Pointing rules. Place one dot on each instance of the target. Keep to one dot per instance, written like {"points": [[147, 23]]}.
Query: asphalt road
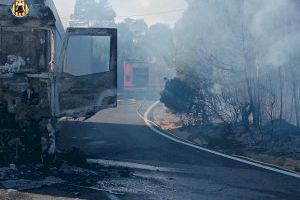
{"points": [[119, 134]]}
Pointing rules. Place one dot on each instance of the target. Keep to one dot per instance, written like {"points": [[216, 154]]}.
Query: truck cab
{"points": [[47, 73]]}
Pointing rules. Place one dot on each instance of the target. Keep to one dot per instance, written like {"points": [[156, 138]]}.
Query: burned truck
{"points": [[48, 73]]}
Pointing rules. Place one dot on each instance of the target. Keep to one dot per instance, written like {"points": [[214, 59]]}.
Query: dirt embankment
{"points": [[276, 143]]}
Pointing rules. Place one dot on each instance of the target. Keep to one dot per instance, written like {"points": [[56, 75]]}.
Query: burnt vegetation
{"points": [[237, 67]]}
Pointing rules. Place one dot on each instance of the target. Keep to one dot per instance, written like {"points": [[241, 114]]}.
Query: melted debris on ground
{"points": [[67, 172]]}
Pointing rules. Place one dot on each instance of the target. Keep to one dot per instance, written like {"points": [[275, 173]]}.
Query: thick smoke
{"points": [[269, 29], [247, 47], [275, 24]]}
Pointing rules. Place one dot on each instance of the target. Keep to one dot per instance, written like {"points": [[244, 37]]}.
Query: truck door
{"points": [[88, 79]]}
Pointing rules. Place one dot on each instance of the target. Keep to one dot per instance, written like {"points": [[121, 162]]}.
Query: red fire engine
{"points": [[140, 76]]}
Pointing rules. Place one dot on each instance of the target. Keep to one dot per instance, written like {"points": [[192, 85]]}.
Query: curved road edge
{"points": [[156, 128]]}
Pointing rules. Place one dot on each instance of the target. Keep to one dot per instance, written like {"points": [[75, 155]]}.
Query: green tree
{"points": [[93, 13], [189, 95]]}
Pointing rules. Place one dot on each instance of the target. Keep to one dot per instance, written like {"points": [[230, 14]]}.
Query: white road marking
{"points": [[258, 164], [130, 165], [127, 101], [112, 197]]}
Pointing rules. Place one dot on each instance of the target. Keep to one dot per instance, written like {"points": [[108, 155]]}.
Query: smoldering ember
{"points": [[170, 99]]}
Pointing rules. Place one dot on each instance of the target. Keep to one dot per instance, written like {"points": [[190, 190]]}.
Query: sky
{"points": [[153, 11]]}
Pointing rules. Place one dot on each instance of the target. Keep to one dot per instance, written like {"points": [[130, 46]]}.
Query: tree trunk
{"points": [[246, 111], [296, 103], [281, 94]]}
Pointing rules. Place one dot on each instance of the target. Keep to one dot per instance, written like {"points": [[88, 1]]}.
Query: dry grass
{"points": [[165, 119]]}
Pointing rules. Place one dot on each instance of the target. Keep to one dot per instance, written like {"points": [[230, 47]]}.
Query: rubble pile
{"points": [[26, 177], [89, 176]]}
